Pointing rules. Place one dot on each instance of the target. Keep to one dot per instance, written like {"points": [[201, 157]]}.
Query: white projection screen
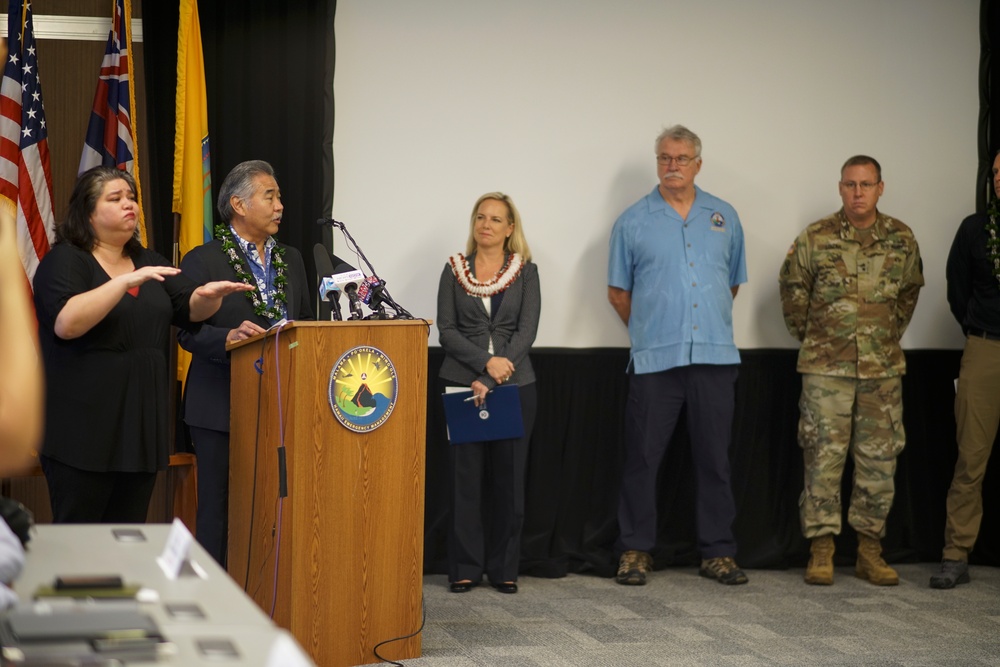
{"points": [[558, 102]]}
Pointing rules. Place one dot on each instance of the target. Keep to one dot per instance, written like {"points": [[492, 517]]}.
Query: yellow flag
{"points": [[192, 166]]}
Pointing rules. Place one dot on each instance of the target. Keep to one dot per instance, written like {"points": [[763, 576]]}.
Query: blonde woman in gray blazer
{"points": [[488, 308]]}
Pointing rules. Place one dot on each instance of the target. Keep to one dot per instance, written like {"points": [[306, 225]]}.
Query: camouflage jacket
{"points": [[849, 300]]}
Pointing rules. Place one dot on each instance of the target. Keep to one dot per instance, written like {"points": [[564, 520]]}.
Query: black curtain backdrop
{"points": [[269, 80], [159, 34], [576, 453], [989, 100]]}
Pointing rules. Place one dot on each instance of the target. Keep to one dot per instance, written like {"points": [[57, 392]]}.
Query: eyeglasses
{"points": [[864, 185], [682, 160]]}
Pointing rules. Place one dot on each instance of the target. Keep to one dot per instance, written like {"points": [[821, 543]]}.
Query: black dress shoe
{"points": [[461, 586], [508, 587]]}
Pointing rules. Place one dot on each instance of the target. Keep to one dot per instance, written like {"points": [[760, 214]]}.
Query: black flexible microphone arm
{"points": [[401, 313]]}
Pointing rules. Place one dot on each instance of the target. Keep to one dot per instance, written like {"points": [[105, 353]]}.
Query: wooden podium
{"points": [[339, 559]]}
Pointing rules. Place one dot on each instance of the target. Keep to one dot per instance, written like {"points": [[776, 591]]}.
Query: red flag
{"points": [[25, 176]]}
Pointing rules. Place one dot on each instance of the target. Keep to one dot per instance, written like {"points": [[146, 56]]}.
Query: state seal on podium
{"points": [[362, 390]]}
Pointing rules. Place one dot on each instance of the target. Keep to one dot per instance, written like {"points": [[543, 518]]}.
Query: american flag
{"points": [[25, 176], [110, 137]]}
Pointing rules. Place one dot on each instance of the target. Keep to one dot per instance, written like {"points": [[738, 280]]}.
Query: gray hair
{"points": [[679, 133], [239, 183]]}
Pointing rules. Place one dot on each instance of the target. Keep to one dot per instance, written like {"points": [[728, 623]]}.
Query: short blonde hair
{"points": [[516, 242]]}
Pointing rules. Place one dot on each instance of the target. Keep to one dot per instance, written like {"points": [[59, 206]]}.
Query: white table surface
{"points": [[229, 613]]}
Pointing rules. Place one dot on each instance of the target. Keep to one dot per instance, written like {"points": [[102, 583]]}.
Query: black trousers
{"points": [[84, 496], [212, 525], [487, 502], [655, 400]]}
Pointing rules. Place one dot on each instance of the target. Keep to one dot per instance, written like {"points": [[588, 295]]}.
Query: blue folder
{"points": [[498, 418]]}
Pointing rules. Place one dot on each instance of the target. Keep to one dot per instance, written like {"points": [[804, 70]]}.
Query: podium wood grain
{"points": [[340, 559]]}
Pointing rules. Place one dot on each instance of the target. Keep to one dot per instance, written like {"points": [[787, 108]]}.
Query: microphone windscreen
{"points": [[324, 265], [327, 286], [342, 267], [367, 289], [347, 279]]}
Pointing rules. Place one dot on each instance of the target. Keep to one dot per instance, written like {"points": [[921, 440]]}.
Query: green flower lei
{"points": [[259, 305], [993, 243]]}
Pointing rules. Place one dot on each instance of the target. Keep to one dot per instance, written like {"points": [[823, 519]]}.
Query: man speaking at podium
{"points": [[243, 250]]}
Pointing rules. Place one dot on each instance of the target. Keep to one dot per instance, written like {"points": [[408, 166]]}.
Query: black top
{"points": [[973, 290], [107, 391]]}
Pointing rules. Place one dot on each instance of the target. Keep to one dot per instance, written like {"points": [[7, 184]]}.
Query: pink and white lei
{"points": [[507, 275]]}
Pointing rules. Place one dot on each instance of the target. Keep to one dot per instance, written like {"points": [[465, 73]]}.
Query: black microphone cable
{"points": [[401, 313], [423, 621]]}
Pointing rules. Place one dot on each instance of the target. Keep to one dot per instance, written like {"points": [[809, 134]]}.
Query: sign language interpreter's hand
{"points": [[141, 275]]}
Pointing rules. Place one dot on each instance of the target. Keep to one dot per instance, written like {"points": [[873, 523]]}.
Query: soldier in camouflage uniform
{"points": [[848, 289]]}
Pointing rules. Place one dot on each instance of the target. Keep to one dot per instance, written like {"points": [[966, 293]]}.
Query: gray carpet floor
{"points": [[681, 619]]}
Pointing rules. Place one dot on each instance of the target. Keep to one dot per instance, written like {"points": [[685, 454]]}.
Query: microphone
{"points": [[371, 293], [327, 288], [348, 279], [378, 293], [328, 291], [368, 289]]}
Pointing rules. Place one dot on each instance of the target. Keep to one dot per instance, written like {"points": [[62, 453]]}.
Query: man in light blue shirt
{"points": [[676, 263]]}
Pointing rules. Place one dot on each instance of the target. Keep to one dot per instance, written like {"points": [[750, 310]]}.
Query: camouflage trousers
{"points": [[840, 415]]}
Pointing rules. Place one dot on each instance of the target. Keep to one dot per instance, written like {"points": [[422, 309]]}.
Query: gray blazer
{"points": [[466, 329]]}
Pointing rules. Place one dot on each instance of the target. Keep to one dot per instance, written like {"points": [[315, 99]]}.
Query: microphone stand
{"points": [[401, 313], [335, 313], [376, 303]]}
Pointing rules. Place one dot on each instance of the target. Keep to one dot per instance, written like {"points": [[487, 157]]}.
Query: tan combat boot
{"points": [[870, 564], [820, 569]]}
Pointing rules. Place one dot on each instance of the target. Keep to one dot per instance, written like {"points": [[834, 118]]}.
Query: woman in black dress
{"points": [[105, 305], [488, 309]]}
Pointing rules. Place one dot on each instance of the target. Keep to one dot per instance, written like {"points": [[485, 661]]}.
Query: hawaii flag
{"points": [[25, 177], [111, 137]]}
